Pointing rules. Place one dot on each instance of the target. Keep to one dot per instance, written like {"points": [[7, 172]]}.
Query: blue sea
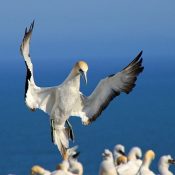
{"points": [[144, 118]]}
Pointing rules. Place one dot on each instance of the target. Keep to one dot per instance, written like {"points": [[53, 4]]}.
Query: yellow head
{"points": [[37, 170], [149, 155], [121, 160], [81, 68]]}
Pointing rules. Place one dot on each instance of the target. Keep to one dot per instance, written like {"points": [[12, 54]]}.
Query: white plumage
{"points": [[107, 166], [133, 164], [63, 169], [61, 102], [119, 150], [74, 165], [38, 170], [164, 163], [145, 167]]}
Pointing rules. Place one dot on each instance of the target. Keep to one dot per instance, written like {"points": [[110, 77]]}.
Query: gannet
{"points": [[71, 156], [164, 163], [74, 165], [65, 100], [144, 169], [122, 160], [135, 155], [107, 166], [133, 164], [62, 169], [119, 150], [35, 170]]}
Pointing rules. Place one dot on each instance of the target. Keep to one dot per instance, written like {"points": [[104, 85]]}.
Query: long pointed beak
{"points": [[171, 161], [84, 75], [122, 153]]}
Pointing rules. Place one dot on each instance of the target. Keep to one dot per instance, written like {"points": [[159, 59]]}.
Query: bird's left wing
{"points": [[111, 87], [35, 97]]}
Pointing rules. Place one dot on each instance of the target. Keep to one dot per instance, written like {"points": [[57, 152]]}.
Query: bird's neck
{"points": [[164, 169], [73, 79], [147, 163]]}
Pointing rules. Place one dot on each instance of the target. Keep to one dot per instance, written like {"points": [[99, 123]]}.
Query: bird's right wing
{"points": [[35, 97], [110, 87]]}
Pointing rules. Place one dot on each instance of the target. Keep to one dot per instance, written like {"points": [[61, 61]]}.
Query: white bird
{"points": [[133, 164], [61, 102], [71, 157], [135, 155], [119, 150], [74, 165], [107, 166], [164, 163], [62, 169], [35, 170], [121, 161], [144, 169]]}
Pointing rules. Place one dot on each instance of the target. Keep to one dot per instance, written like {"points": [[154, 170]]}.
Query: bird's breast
{"points": [[68, 98]]}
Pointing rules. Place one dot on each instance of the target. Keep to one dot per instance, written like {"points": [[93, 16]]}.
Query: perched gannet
{"points": [[164, 163], [133, 164], [75, 166], [121, 161], [107, 166], [144, 169], [62, 169], [66, 100], [71, 156], [119, 150], [135, 155], [38, 170]]}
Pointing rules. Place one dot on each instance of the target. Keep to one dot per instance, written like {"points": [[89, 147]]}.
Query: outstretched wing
{"points": [[111, 87], [35, 97]]}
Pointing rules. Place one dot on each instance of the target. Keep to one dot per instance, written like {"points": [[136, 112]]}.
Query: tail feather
{"points": [[70, 131], [60, 136]]}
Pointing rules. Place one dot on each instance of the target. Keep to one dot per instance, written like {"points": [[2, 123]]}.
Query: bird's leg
{"points": [[71, 133], [52, 130]]}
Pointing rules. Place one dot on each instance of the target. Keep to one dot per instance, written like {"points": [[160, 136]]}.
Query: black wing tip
{"points": [[30, 28], [32, 25], [27, 33], [138, 57], [140, 54]]}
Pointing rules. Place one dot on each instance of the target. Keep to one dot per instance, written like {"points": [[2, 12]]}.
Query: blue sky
{"points": [[90, 29]]}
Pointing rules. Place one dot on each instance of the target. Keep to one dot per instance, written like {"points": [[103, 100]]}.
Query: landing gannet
{"points": [[107, 166], [164, 163], [133, 164], [66, 100], [144, 169]]}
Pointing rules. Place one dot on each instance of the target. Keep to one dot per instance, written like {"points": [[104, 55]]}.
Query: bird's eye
{"points": [[80, 70]]}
